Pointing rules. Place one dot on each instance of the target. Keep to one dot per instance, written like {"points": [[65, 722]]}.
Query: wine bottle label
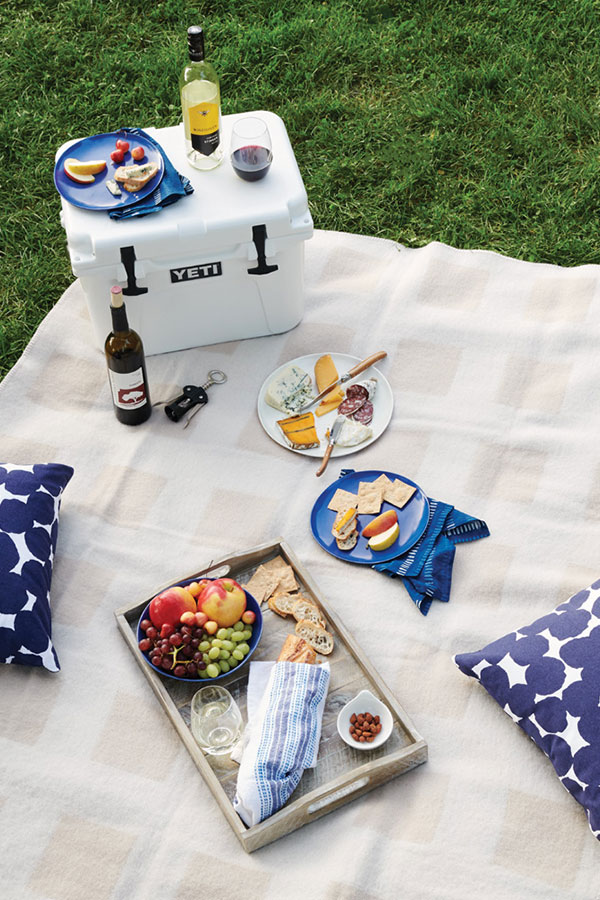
{"points": [[204, 127], [128, 389]]}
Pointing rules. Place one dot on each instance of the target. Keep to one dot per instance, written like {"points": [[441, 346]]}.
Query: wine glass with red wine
{"points": [[251, 154]]}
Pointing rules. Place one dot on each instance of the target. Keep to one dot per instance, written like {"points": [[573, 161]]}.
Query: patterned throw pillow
{"points": [[29, 504], [546, 676]]}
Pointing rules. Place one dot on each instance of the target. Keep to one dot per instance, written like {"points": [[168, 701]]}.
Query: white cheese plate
{"points": [[383, 404]]}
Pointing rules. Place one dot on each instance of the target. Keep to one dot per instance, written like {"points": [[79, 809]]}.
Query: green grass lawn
{"points": [[472, 123]]}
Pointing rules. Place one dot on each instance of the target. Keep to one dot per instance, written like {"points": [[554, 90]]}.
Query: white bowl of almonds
{"points": [[365, 723]]}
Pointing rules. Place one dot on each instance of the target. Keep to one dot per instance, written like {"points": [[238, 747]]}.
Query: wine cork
{"points": [[116, 296]]}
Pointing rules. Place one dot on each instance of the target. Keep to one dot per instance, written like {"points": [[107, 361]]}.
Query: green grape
{"points": [[202, 673], [229, 631], [216, 643], [244, 648], [237, 654], [247, 632], [204, 646], [224, 665], [214, 652], [228, 645], [239, 626], [222, 634], [212, 670], [206, 658], [237, 636], [224, 654]]}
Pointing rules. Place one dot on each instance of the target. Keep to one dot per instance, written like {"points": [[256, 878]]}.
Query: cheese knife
{"points": [[354, 371], [333, 436]]}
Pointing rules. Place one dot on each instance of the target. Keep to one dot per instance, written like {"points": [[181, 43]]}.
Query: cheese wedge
{"points": [[300, 432], [326, 373], [332, 401]]}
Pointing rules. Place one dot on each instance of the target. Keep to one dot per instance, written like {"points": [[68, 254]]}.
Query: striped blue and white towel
{"points": [[285, 710]]}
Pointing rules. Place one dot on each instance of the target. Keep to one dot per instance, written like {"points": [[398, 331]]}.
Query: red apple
{"points": [[168, 606], [223, 601], [380, 523]]}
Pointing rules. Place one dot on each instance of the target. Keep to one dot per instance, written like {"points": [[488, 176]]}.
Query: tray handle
{"points": [[320, 805]]}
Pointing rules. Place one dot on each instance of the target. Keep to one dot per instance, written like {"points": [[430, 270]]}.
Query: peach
{"points": [[223, 601], [167, 607], [380, 523]]}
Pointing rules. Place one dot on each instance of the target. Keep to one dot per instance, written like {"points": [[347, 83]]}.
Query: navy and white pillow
{"points": [[546, 677], [29, 505]]}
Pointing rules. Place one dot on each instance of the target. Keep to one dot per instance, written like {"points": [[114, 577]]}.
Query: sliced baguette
{"points": [[306, 609], [283, 602], [295, 649], [318, 638], [135, 177]]}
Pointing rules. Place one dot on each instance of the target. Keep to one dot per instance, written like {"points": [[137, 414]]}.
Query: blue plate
{"points": [[96, 195], [412, 519], [252, 643]]}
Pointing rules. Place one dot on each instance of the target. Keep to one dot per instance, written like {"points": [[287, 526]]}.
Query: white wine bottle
{"points": [[201, 105], [126, 364]]}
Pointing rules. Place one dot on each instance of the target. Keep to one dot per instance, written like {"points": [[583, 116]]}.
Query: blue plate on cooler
{"points": [[252, 643], [96, 195], [412, 518]]}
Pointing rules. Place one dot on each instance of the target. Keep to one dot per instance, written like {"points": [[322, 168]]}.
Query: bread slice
{"points": [[283, 603], [345, 523], [349, 542], [135, 177], [306, 609], [318, 638], [295, 649]]}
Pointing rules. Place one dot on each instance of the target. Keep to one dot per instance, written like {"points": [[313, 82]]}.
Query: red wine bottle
{"points": [[126, 364]]}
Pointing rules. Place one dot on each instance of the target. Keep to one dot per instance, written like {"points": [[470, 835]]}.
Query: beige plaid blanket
{"points": [[495, 368]]}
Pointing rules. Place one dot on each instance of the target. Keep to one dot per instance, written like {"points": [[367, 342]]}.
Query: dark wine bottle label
{"points": [[204, 127], [128, 389]]}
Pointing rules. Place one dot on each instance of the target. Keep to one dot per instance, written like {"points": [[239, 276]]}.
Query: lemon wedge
{"points": [[89, 167], [385, 539]]}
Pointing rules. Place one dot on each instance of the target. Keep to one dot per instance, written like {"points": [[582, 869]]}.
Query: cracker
{"points": [[399, 493], [370, 496], [262, 584], [287, 579], [383, 479], [341, 500]]}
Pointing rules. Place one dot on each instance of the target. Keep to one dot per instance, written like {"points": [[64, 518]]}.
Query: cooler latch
{"points": [[128, 260], [259, 236]]}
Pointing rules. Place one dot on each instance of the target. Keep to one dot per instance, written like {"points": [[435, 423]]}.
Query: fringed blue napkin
{"points": [[285, 711], [172, 187], [426, 569]]}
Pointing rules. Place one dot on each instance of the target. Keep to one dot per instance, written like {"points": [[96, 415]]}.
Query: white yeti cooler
{"points": [[221, 264]]}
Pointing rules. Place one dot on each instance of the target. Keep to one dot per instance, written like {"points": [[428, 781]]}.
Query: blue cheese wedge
{"points": [[290, 390], [353, 433], [113, 187]]}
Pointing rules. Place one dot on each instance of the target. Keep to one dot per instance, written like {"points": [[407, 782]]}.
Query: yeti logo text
{"points": [[188, 273]]}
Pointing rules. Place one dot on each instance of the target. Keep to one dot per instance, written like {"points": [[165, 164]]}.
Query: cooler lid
{"points": [[219, 215]]}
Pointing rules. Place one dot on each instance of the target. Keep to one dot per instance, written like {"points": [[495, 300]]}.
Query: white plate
{"points": [[383, 404], [365, 702]]}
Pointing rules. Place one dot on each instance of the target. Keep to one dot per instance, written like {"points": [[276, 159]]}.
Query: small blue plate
{"points": [[96, 195], [252, 643], [413, 519]]}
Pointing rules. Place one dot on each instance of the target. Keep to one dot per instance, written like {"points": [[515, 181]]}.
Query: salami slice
{"points": [[364, 413], [354, 391], [350, 405]]}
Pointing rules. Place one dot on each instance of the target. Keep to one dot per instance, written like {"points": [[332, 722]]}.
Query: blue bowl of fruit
{"points": [[200, 631]]}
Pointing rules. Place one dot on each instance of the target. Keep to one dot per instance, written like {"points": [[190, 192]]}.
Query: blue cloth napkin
{"points": [[426, 569], [285, 711], [172, 187]]}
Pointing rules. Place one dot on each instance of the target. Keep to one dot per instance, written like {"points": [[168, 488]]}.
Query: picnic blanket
{"points": [[495, 369]]}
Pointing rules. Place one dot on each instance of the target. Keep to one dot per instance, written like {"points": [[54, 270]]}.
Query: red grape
{"points": [[145, 645], [151, 633], [145, 624]]}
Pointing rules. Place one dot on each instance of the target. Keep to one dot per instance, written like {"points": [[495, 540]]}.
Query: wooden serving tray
{"points": [[341, 773]]}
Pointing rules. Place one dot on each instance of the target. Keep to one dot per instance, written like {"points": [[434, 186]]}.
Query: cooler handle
{"points": [[259, 236], [128, 259]]}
